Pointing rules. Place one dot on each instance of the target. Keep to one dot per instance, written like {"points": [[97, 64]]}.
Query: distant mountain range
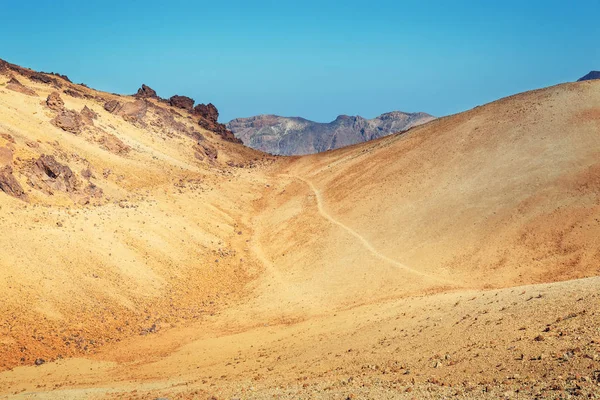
{"points": [[590, 76], [296, 136]]}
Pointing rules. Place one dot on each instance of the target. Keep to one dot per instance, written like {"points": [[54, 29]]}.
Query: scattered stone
{"points": [[39, 361], [152, 329], [8, 137], [94, 191]]}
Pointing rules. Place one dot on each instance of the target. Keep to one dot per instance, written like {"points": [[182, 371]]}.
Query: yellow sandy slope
{"points": [[456, 259]]}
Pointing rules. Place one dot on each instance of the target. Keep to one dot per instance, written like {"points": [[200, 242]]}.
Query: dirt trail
{"points": [[361, 239]]}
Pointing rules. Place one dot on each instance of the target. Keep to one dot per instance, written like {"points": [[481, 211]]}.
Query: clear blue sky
{"points": [[315, 59]]}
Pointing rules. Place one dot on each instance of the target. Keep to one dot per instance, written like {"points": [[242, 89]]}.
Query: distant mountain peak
{"points": [[591, 75], [295, 135]]}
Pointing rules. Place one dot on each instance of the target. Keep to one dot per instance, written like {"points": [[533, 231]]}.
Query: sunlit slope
{"points": [[122, 224], [504, 194]]}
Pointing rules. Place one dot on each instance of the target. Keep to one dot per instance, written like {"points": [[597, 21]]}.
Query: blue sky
{"points": [[315, 59]]}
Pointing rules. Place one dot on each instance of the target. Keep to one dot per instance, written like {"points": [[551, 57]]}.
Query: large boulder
{"points": [[207, 111], [112, 106], [68, 120], [49, 174], [134, 110], [146, 92], [183, 102]]}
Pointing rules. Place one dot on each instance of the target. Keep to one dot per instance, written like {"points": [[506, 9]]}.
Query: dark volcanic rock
{"points": [[16, 86], [219, 129], [73, 93], [65, 77], [43, 78], [295, 136], [54, 102], [591, 76], [146, 92], [184, 102], [9, 184], [33, 75], [207, 111]]}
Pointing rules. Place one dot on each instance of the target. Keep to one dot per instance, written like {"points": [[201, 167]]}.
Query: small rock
{"points": [[54, 102]]}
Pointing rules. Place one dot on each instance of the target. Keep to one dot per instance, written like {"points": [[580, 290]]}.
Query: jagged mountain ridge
{"points": [[297, 136]]}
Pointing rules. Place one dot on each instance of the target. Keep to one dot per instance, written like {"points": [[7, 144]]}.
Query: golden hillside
{"points": [[145, 256]]}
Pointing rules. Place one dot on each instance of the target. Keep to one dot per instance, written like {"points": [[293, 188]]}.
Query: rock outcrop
{"points": [[88, 115], [112, 106], [146, 92], [590, 76], [295, 136], [31, 74], [207, 111], [16, 86], [54, 102], [9, 184], [68, 120], [50, 175], [182, 102], [134, 110], [113, 144]]}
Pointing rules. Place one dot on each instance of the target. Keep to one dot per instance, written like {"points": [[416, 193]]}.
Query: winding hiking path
{"points": [[358, 236]]}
